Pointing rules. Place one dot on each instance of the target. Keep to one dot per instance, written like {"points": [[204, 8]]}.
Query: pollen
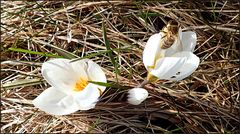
{"points": [[80, 84]]}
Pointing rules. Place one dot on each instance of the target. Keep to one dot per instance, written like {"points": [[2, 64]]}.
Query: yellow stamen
{"points": [[80, 84], [151, 78]]}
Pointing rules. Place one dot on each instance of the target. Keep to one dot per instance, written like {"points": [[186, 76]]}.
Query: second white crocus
{"points": [[70, 88], [174, 63]]}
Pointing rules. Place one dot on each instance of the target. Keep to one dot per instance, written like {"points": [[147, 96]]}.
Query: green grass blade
{"points": [[110, 84], [110, 53], [102, 84], [23, 83], [100, 53], [94, 124], [90, 55], [62, 52], [34, 52]]}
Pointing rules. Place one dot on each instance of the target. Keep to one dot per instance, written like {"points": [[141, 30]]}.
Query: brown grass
{"points": [[205, 102]]}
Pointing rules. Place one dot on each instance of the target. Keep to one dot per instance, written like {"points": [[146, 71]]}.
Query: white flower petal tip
{"points": [[189, 66], [189, 40], [176, 68], [151, 49], [54, 102], [71, 90], [137, 95]]}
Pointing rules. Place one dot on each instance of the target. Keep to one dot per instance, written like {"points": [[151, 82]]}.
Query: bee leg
{"points": [[163, 31], [164, 36]]}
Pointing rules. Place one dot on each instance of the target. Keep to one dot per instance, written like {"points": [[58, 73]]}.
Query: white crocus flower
{"points": [[137, 95], [174, 63], [70, 88]]}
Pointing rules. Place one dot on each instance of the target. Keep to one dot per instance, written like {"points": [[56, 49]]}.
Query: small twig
{"points": [[143, 83]]}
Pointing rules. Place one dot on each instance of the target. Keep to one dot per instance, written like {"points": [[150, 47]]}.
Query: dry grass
{"points": [[205, 102]]}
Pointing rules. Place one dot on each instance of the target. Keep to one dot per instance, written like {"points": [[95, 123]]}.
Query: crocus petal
{"points": [[54, 102], [180, 33], [188, 67], [176, 47], [168, 66], [189, 40], [95, 73], [87, 98], [151, 49], [137, 95], [80, 68], [59, 74]]}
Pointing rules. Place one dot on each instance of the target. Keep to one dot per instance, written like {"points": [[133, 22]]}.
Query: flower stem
{"points": [[143, 83]]}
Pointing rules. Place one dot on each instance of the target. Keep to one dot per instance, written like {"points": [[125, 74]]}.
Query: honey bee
{"points": [[171, 34]]}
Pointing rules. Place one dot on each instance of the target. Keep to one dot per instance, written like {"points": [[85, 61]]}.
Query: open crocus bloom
{"points": [[174, 63], [137, 95], [71, 90]]}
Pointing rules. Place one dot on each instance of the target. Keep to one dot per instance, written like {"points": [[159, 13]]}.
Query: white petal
{"points": [[80, 68], [176, 47], [189, 40], [54, 102], [87, 98], [137, 95], [95, 73], [188, 67], [168, 66], [151, 49], [59, 74], [180, 33]]}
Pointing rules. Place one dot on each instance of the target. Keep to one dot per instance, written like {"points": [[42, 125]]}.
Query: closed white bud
{"points": [[137, 95]]}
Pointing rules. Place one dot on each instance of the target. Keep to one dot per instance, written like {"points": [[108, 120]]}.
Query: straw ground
{"points": [[205, 102]]}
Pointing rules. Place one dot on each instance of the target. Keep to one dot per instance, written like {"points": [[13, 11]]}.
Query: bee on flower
{"points": [[168, 55]]}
